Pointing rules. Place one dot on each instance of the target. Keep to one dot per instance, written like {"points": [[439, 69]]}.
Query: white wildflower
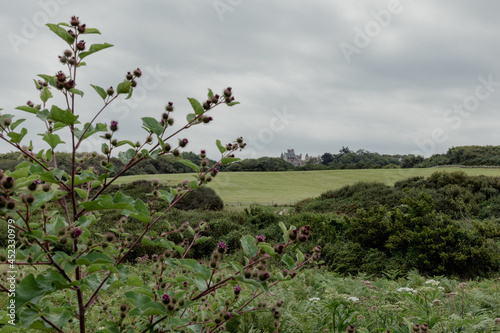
{"points": [[352, 299], [432, 282], [406, 290], [313, 299]]}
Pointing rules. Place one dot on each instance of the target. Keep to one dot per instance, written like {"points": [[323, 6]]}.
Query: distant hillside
{"points": [[466, 155], [345, 159]]}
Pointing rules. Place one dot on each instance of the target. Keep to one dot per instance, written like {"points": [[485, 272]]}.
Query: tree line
{"points": [[344, 159]]}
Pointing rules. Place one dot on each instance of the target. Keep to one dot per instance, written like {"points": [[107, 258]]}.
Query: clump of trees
{"points": [[345, 159], [444, 224]]}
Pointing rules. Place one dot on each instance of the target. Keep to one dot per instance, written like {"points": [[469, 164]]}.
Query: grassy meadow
{"points": [[285, 188]]}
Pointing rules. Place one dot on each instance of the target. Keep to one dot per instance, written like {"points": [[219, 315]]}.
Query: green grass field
{"points": [[285, 188]]}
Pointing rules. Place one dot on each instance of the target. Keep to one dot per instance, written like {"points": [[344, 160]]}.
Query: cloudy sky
{"points": [[392, 77]]}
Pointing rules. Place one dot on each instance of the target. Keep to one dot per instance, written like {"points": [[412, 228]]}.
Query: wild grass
{"points": [[288, 187]]}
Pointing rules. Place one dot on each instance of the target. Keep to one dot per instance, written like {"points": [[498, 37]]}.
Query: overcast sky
{"points": [[392, 77]]}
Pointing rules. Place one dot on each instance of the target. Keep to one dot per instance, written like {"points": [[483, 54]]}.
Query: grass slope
{"points": [[288, 187]]}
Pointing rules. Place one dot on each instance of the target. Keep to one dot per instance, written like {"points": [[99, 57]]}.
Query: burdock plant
{"points": [[80, 274]]}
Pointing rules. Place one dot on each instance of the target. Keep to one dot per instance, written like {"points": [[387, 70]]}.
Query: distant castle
{"points": [[295, 159]]}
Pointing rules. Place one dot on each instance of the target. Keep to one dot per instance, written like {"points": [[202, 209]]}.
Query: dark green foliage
{"points": [[162, 164], [203, 198], [431, 224], [261, 216], [466, 155], [411, 161], [348, 199], [260, 164], [455, 194]]}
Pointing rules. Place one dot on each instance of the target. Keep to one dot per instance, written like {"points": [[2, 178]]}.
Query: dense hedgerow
{"points": [[444, 224], [414, 234]]}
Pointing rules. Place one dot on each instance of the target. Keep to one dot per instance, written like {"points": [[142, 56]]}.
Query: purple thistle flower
{"points": [[260, 238], [114, 125], [165, 299], [221, 247], [237, 290], [77, 232]]}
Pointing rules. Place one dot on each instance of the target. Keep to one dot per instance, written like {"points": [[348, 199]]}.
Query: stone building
{"points": [[295, 159]]}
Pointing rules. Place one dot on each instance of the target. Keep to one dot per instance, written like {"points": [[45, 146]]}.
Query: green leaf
{"points": [[222, 149], [134, 280], [100, 91], [17, 137], [46, 94], [125, 142], [198, 109], [58, 125], [127, 156], [300, 256], [210, 93], [107, 202], [61, 32], [38, 87], [49, 177], [202, 239], [50, 79], [190, 117], [248, 245], [190, 164], [237, 266], [94, 48], [283, 227], [81, 63], [267, 248], [288, 261], [52, 139], [82, 193], [131, 91], [9, 329], [94, 258], [152, 125], [31, 289], [92, 31], [232, 103], [144, 304], [255, 284], [123, 87], [63, 116], [28, 108], [16, 123], [166, 195], [75, 91], [227, 160], [194, 266], [59, 316], [43, 114], [284, 230], [154, 154], [100, 127]]}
